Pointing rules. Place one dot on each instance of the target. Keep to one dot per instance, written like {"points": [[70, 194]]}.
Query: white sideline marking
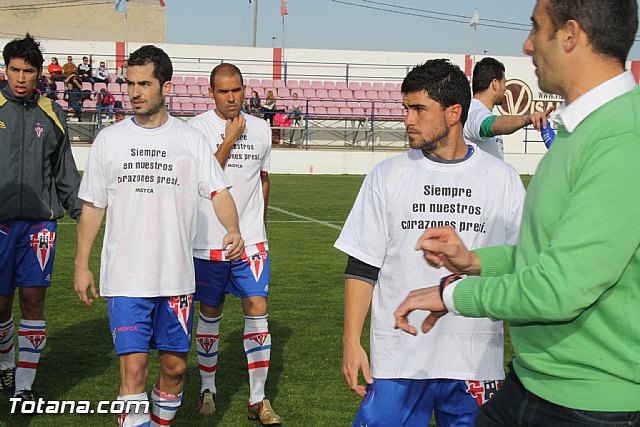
{"points": [[306, 218]]}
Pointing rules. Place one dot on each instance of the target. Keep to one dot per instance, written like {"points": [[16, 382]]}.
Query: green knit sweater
{"points": [[570, 288]]}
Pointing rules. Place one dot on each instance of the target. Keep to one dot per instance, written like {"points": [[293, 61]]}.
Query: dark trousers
{"points": [[515, 406]]}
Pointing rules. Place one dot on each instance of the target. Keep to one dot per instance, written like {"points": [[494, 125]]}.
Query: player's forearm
{"points": [[222, 153], [88, 228], [357, 299], [508, 124], [226, 211], [266, 187]]}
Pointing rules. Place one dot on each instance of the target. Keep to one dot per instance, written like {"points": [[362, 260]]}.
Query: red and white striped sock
{"points": [[135, 416], [32, 339], [257, 347], [7, 349], [207, 335], [165, 406]]}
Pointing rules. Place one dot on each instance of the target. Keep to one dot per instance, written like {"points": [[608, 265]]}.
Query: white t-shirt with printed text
{"points": [[151, 182], [478, 112], [481, 197], [250, 156]]}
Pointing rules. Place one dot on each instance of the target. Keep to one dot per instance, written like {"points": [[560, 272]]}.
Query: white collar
{"points": [[573, 114]]}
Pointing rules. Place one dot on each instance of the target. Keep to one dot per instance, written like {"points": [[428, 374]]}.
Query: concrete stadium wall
{"points": [[291, 161]]}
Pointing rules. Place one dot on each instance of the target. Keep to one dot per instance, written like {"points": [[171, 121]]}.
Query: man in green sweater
{"points": [[570, 287]]}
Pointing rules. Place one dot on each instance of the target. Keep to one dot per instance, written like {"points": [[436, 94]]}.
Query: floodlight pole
{"points": [[255, 21]]}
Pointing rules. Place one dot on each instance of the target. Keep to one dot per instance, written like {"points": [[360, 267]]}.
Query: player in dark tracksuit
{"points": [[38, 181]]}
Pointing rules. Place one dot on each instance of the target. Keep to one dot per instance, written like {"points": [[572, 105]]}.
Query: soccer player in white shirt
{"points": [[150, 174], [441, 181], [484, 128], [242, 145]]}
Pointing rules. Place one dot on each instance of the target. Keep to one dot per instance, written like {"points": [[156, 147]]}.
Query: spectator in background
{"points": [[102, 74], [84, 71], [255, 106], [69, 68], [3, 81], [121, 73], [105, 101], [295, 113], [74, 97], [268, 110], [55, 70], [47, 87]]}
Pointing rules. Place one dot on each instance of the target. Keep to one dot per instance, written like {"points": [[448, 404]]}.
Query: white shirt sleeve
{"points": [[364, 235], [93, 187], [212, 177]]}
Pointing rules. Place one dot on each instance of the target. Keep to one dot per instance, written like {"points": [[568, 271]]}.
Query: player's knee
{"points": [[173, 370], [211, 311], [32, 303], [255, 306], [6, 303], [133, 375]]}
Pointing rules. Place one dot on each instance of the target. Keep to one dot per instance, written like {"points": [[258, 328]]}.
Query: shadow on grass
{"points": [[72, 357], [232, 378]]}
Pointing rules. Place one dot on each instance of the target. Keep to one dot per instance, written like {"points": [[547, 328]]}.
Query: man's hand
{"points": [[354, 360], [234, 244], [442, 247], [234, 128], [83, 280], [420, 299], [540, 117]]}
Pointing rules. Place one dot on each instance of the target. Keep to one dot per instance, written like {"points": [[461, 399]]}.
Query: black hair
{"points": [[611, 25], [443, 81], [226, 68], [27, 49], [149, 54], [486, 71]]}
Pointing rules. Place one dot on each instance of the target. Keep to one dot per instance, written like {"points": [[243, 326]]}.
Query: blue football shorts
{"points": [[159, 323], [247, 277], [27, 250], [406, 402]]}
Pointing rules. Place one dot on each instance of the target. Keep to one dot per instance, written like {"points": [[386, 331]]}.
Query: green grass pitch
{"points": [[305, 319]]}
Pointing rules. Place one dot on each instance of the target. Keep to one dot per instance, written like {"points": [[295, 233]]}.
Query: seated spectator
{"points": [[47, 87], [74, 97], [69, 68], [269, 107], [254, 104], [3, 81], [105, 101], [84, 71], [55, 70], [295, 113], [121, 73], [102, 74]]}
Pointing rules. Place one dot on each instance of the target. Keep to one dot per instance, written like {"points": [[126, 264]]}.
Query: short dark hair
{"points": [[226, 68], [611, 25], [149, 54], [486, 71], [443, 81], [27, 49]]}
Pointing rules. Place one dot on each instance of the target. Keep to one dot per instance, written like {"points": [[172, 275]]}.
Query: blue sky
{"points": [[334, 24]]}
